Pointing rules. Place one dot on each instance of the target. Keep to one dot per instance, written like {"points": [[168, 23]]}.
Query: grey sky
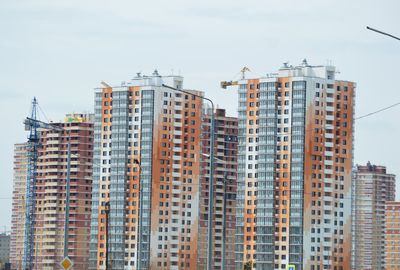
{"points": [[60, 50]]}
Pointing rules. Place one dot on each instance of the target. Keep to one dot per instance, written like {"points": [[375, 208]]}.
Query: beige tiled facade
{"points": [[391, 259], [372, 189], [18, 206]]}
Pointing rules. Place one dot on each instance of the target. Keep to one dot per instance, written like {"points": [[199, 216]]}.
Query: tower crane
{"points": [[225, 84], [32, 124]]}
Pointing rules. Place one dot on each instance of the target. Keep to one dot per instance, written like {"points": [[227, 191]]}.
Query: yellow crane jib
{"points": [[225, 84]]}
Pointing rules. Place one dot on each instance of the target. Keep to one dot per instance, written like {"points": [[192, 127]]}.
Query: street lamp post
{"points": [[67, 194], [224, 221], [211, 178], [107, 212], [67, 198], [225, 182], [383, 33], [140, 206]]}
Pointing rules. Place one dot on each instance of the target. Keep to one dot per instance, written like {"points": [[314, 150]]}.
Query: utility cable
{"points": [[378, 111]]}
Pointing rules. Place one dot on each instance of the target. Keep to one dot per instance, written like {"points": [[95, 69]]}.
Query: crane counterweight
{"points": [[225, 84]]}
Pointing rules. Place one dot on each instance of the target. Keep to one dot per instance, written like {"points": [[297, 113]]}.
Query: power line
{"points": [[355, 118], [378, 111]]}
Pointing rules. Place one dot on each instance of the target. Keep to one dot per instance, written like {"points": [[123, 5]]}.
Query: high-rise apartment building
{"points": [[147, 138], [391, 245], [18, 206], [153, 140], [50, 195], [294, 170], [225, 173], [372, 189]]}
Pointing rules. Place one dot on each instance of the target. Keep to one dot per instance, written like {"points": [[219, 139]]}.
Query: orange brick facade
{"points": [[149, 140], [294, 170]]}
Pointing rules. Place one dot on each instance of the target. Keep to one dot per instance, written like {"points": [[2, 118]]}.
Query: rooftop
{"points": [[371, 168]]}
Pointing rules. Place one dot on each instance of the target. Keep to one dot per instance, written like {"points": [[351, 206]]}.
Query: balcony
{"points": [[328, 144]]}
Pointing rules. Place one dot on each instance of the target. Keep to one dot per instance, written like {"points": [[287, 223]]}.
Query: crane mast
{"points": [[32, 124], [32, 152]]}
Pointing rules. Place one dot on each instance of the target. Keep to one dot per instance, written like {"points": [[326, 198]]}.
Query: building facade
{"points": [[4, 250], [391, 260], [372, 189], [51, 184], [294, 170], [50, 195], [147, 138], [225, 174], [18, 206]]}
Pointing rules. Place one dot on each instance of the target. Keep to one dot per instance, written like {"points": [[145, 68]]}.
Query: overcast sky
{"points": [[59, 51]]}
